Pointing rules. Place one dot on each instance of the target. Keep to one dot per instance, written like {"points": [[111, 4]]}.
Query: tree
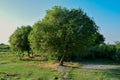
{"points": [[117, 44], [35, 37], [63, 31], [19, 39], [99, 39], [4, 47]]}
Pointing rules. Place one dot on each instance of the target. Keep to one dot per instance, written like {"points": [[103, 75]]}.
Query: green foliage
{"points": [[99, 39], [19, 39], [102, 51], [35, 38], [4, 47], [116, 56], [106, 51], [117, 44], [63, 31]]}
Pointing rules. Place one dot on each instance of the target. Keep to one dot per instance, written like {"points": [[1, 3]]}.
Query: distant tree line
{"points": [[63, 34], [4, 47]]}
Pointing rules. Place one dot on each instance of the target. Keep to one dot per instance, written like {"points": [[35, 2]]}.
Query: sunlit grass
{"points": [[11, 68], [88, 74]]}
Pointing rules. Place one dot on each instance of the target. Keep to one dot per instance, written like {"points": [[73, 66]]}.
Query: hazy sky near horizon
{"points": [[15, 13]]}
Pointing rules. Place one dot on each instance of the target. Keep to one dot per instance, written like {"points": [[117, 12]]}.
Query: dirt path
{"points": [[100, 66], [63, 71]]}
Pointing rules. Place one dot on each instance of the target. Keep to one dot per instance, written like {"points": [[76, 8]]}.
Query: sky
{"points": [[15, 13]]}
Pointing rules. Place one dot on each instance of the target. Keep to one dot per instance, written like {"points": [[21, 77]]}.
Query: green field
{"points": [[85, 74], [11, 68]]}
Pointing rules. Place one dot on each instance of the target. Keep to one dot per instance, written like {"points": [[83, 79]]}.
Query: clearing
{"points": [[11, 68]]}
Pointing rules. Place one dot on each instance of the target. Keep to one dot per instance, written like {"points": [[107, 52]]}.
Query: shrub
{"points": [[101, 51], [116, 56]]}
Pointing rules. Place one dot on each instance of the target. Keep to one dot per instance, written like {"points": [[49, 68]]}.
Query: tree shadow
{"points": [[5, 75], [98, 62], [113, 73], [37, 60]]}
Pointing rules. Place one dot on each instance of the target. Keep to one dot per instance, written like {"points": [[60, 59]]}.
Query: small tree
{"points": [[19, 39]]}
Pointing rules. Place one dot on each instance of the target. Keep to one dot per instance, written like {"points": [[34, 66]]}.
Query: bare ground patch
{"points": [[100, 66]]}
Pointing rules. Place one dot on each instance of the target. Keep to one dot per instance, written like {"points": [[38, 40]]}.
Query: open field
{"points": [[96, 74], [11, 68], [96, 70]]}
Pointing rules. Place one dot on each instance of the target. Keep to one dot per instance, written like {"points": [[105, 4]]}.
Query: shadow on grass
{"points": [[113, 73], [28, 59], [98, 62], [69, 66], [5, 76], [37, 59]]}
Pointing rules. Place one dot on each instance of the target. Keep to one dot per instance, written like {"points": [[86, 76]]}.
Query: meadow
{"points": [[12, 68]]}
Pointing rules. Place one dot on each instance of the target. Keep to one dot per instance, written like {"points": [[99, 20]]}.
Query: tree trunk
{"points": [[28, 53], [61, 61]]}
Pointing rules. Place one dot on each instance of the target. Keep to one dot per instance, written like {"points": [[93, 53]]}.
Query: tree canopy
{"points": [[63, 31], [99, 39], [63, 34], [19, 39]]}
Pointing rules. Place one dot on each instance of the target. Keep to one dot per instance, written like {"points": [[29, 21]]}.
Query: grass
{"points": [[11, 68], [95, 74], [86, 74]]}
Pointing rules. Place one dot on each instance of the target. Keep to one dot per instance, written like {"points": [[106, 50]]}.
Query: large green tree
{"points": [[64, 32], [19, 39]]}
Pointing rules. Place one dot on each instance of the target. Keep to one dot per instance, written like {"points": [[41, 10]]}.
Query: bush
{"points": [[104, 51], [4, 48], [101, 51], [116, 56]]}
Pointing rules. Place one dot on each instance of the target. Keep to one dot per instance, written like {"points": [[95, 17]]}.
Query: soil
{"points": [[100, 66]]}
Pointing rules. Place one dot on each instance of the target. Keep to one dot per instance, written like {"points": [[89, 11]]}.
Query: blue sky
{"points": [[14, 13]]}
